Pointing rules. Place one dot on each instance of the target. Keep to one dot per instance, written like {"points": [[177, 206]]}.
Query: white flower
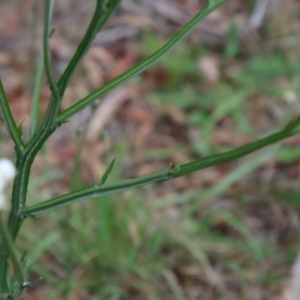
{"points": [[7, 169], [7, 173]]}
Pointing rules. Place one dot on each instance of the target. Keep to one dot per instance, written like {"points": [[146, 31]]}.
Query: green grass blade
{"points": [[174, 284], [39, 248], [238, 225], [65, 115], [233, 177]]}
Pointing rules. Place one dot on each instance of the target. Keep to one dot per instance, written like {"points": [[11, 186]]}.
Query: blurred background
{"points": [[227, 232]]}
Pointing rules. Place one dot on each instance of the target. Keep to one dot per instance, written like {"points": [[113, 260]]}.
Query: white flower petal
{"points": [[7, 170]]}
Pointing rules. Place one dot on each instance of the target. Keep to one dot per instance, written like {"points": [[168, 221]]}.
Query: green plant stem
{"points": [[9, 121], [101, 15], [26, 156], [24, 159], [56, 98], [7, 241], [96, 191], [35, 111], [65, 115], [15, 220], [46, 47], [3, 269], [23, 165]]}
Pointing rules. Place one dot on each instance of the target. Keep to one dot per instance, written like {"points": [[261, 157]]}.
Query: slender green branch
{"points": [[46, 46], [293, 125], [9, 121], [55, 100], [233, 154], [93, 192], [96, 191], [101, 15], [65, 115], [35, 111]]}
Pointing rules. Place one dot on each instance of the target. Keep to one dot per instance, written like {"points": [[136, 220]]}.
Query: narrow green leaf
{"points": [[107, 172], [8, 119], [212, 5], [20, 128], [232, 47]]}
